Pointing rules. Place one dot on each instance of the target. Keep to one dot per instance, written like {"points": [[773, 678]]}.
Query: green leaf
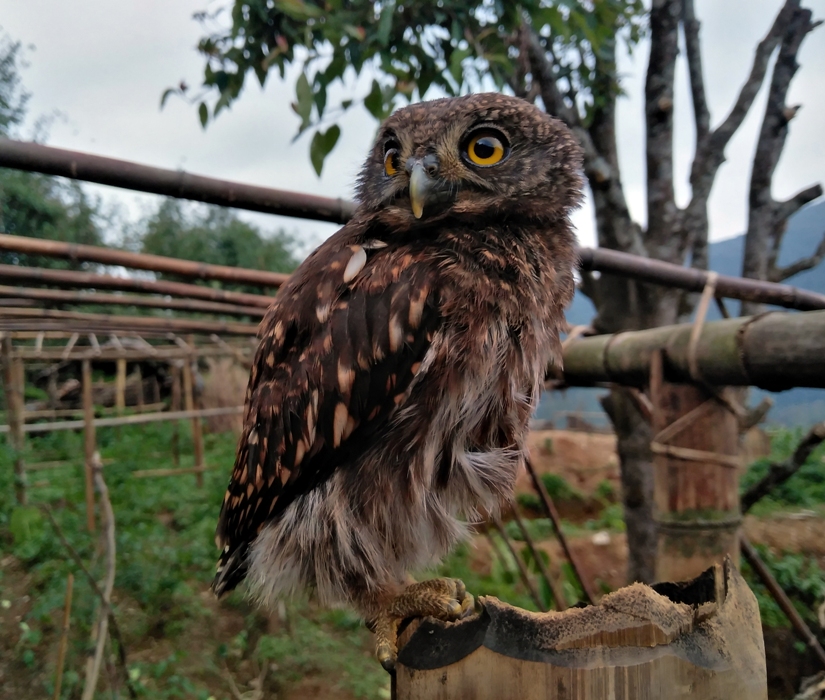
{"points": [[374, 102], [303, 93], [297, 9], [385, 23], [165, 95], [455, 63], [321, 146], [203, 113]]}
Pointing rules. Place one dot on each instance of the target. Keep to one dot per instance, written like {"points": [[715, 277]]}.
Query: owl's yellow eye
{"points": [[486, 147], [391, 162]]}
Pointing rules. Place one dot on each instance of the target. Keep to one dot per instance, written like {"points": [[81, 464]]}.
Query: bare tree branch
{"points": [[690, 26], [615, 226], [781, 472], [767, 218], [790, 206], [663, 216], [782, 273], [710, 150]]}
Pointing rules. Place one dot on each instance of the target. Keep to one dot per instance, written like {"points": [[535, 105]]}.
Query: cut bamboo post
{"points": [[14, 384], [670, 641], [695, 478], [89, 443], [120, 385], [197, 434]]}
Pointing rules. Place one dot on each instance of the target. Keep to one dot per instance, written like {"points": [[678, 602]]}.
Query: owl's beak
{"points": [[421, 186]]}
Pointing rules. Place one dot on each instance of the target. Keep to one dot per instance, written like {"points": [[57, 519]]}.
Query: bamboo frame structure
{"points": [[773, 351], [93, 280], [59, 296]]}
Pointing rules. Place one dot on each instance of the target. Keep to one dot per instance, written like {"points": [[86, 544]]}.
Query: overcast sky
{"points": [[103, 64]]}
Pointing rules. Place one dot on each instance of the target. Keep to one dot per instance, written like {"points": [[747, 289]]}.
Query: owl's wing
{"points": [[339, 348]]}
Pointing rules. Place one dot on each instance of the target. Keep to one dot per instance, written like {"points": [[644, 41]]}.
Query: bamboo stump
{"points": [[700, 639], [696, 467]]}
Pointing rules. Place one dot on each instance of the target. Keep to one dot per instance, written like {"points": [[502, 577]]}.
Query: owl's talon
{"points": [[442, 598]]}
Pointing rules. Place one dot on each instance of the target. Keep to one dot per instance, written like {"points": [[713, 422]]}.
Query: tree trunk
{"points": [[633, 436]]}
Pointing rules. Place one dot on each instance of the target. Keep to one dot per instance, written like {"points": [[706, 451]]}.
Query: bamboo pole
{"points": [[175, 406], [171, 183], [120, 386], [773, 351], [160, 352], [92, 280], [89, 443], [60, 296], [666, 642], [140, 261], [695, 280], [13, 384], [89, 323], [136, 419], [82, 166], [189, 404]]}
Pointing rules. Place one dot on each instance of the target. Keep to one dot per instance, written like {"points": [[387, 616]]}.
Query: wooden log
{"points": [[60, 296], [197, 430], [140, 261], [774, 351], [665, 642], [170, 183], [87, 322], [696, 469], [13, 385], [92, 280], [89, 443]]}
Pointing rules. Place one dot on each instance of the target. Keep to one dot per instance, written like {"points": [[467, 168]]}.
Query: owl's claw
{"points": [[443, 598]]}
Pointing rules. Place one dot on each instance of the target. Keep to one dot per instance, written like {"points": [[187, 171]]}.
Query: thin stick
{"points": [[780, 473], [89, 443], [525, 576], [189, 399], [13, 379], [552, 513], [64, 635], [781, 598], [555, 588], [102, 630], [115, 629]]}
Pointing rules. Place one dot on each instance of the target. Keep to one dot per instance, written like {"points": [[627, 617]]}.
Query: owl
{"points": [[397, 369]]}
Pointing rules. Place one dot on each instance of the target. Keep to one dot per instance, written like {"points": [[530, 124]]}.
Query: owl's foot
{"points": [[443, 598]]}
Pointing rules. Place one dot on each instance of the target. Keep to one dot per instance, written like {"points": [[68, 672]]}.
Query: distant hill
{"points": [[795, 407]]}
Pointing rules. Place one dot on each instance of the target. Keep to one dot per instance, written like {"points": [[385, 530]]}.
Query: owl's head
{"points": [[475, 156]]}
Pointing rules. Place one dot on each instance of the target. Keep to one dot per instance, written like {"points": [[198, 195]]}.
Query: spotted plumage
{"points": [[398, 367]]}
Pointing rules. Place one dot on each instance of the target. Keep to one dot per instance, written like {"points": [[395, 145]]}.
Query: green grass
{"points": [[165, 561]]}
